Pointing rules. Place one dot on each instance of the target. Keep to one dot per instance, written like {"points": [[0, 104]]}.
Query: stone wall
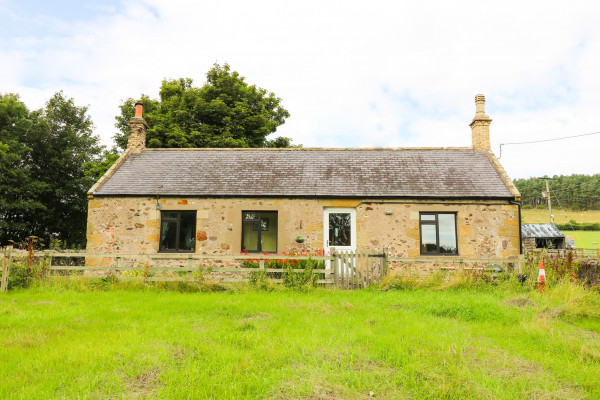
{"points": [[131, 224]]}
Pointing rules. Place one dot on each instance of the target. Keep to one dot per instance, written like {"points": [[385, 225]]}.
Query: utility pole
{"points": [[549, 200]]}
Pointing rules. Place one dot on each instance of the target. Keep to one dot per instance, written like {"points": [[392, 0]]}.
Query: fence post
{"points": [[520, 264], [333, 267], [5, 268], [384, 262], [190, 266]]}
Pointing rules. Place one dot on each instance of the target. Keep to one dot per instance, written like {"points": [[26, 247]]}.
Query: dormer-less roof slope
{"points": [[341, 173], [541, 231]]}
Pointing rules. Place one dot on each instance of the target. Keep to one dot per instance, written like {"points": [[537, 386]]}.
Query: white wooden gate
{"points": [[356, 270]]}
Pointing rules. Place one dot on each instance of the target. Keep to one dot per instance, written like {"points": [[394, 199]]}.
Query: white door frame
{"points": [[334, 210]]}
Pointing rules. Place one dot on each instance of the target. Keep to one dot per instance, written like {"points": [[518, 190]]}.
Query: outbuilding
{"points": [[542, 236]]}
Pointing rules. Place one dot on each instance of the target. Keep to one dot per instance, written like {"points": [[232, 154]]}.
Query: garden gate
{"points": [[356, 270]]}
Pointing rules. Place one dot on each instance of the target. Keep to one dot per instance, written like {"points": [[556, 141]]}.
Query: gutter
{"points": [[518, 203]]}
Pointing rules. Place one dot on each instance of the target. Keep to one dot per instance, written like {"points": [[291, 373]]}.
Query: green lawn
{"points": [[423, 344], [585, 239]]}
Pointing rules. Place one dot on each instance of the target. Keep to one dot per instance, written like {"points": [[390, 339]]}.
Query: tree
{"points": [[43, 184], [16, 185], [96, 168], [225, 112]]}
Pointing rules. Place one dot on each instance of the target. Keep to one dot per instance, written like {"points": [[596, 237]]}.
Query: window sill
{"points": [[178, 251], [440, 255]]}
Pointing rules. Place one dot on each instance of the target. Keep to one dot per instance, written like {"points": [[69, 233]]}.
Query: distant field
{"points": [[560, 216], [585, 239]]}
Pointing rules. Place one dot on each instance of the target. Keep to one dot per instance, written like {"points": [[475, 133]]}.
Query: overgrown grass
{"points": [[457, 339]]}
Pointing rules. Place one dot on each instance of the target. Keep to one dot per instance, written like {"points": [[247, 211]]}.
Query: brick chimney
{"points": [[137, 130], [480, 127]]}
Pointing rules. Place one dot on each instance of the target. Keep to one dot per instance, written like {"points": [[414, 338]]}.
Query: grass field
{"points": [[536, 216], [423, 344], [585, 239]]}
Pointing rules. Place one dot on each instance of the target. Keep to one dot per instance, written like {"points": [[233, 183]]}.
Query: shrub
{"points": [[19, 277], [294, 280]]}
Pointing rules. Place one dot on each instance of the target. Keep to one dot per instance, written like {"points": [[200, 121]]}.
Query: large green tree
{"points": [[44, 174], [225, 112]]}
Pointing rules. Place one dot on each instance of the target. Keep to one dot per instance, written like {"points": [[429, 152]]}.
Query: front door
{"points": [[339, 230]]}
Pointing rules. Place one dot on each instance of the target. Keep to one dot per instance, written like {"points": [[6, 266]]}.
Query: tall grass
{"points": [[464, 341]]}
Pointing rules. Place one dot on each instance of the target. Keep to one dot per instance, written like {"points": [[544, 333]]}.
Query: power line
{"points": [[570, 224], [545, 140]]}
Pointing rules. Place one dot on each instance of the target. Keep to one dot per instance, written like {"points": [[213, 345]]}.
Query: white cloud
{"points": [[384, 74]]}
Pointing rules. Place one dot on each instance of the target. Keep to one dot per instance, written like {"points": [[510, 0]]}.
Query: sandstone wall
{"points": [[131, 224]]}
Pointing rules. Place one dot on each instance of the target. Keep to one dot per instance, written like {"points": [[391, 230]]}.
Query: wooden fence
{"points": [[343, 269], [578, 254]]}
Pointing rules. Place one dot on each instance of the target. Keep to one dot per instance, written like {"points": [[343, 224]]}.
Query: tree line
{"points": [[576, 192], [50, 157]]}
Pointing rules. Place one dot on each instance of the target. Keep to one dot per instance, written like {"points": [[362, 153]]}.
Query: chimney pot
{"points": [[139, 106]]}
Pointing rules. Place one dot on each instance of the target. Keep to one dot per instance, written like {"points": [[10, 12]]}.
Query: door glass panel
{"points": [[447, 226], [340, 233], [168, 235], [428, 242], [250, 234], [187, 231], [268, 226]]}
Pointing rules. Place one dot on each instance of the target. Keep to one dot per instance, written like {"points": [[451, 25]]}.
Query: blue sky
{"points": [[352, 74]]}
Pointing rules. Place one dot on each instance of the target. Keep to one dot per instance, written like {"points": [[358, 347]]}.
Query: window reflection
{"points": [[340, 229], [438, 233]]}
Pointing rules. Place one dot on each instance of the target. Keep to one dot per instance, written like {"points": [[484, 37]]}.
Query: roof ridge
{"points": [[308, 149]]}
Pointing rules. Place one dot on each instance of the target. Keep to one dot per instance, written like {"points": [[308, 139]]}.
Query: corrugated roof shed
{"points": [[541, 231], [371, 173]]}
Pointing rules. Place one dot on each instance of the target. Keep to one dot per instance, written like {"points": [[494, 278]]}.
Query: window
{"points": [[438, 233], [177, 231], [259, 231]]}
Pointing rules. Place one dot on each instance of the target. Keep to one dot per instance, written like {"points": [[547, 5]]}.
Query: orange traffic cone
{"points": [[541, 277]]}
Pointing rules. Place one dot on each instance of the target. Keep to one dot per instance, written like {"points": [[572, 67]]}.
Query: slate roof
{"points": [[541, 231], [365, 173]]}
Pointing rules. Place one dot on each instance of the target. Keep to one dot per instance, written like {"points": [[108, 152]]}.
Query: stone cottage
{"points": [[412, 201]]}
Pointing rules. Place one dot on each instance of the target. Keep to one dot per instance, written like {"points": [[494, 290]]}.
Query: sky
{"points": [[351, 74]]}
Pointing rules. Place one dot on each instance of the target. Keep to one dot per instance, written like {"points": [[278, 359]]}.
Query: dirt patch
{"points": [[307, 383], [258, 316], [565, 393], [323, 391], [40, 303], [24, 341], [550, 312], [348, 305], [143, 384], [500, 363], [520, 302]]}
